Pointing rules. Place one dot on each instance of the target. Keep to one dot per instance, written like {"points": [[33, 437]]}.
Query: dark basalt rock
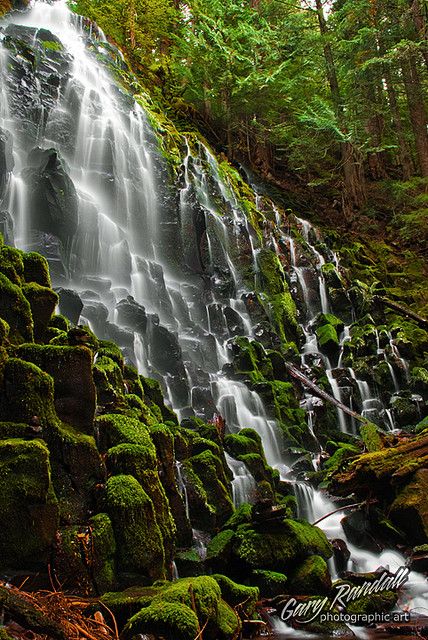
{"points": [[53, 197], [6, 160], [70, 304], [132, 315]]}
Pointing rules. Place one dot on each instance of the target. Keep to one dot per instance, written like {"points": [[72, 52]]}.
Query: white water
{"points": [[123, 238]]}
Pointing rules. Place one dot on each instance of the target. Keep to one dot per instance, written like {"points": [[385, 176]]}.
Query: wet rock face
{"points": [[6, 160], [54, 202], [38, 68]]}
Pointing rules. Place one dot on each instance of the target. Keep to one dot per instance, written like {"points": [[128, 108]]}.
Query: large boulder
{"points": [[28, 506]]}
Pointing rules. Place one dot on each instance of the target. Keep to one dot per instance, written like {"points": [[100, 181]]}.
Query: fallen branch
{"points": [[348, 506], [299, 375], [408, 313]]}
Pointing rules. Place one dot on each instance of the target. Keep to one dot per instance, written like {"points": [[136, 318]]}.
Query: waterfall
{"points": [[163, 270], [243, 483]]}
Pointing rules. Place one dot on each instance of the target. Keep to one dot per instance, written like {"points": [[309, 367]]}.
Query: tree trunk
{"points": [[419, 15], [418, 116], [354, 183], [405, 156]]}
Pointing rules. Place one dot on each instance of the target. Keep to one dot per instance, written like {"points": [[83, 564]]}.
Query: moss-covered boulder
{"points": [[179, 611], [74, 389], [42, 303], [282, 549], [275, 296], [270, 583], [207, 473], [15, 310], [409, 511], [84, 557], [36, 269], [139, 539], [311, 577], [27, 391], [140, 461], [28, 505]]}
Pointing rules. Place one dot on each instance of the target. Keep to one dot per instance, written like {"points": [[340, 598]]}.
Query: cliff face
{"points": [[160, 423]]}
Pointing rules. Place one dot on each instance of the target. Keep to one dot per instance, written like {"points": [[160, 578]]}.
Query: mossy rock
{"points": [[210, 471], [294, 541], [237, 444], [173, 620], [201, 596], [139, 539], [108, 380], [219, 550], [36, 269], [85, 556], [374, 603], [71, 370], [242, 515], [275, 296], [241, 597], [42, 302], [189, 563], [409, 511], [27, 391], [77, 469], [311, 577], [140, 461], [328, 339], [153, 391], [11, 264], [16, 430], [28, 505], [370, 435], [4, 332], [114, 429], [270, 583], [16, 311]]}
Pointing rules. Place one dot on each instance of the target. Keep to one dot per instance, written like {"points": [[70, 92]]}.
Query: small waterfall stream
{"points": [[158, 273]]}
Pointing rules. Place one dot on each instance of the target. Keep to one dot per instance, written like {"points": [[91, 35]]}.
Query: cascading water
{"points": [[156, 273]]}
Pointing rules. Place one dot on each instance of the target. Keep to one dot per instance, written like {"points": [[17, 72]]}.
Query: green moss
{"points": [[15, 310], [371, 437], [237, 445], [227, 623], [27, 391], [116, 429], [15, 430], [219, 550], [275, 295], [104, 549], [327, 338], [311, 577], [28, 506], [139, 540], [374, 603], [11, 264], [140, 461], [172, 620], [277, 551], [241, 515], [42, 302], [111, 350], [36, 269], [59, 322], [270, 583], [4, 332], [71, 370], [237, 594], [211, 473], [52, 45]]}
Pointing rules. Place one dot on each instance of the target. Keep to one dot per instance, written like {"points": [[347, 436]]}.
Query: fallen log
{"points": [[299, 375], [408, 313]]}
